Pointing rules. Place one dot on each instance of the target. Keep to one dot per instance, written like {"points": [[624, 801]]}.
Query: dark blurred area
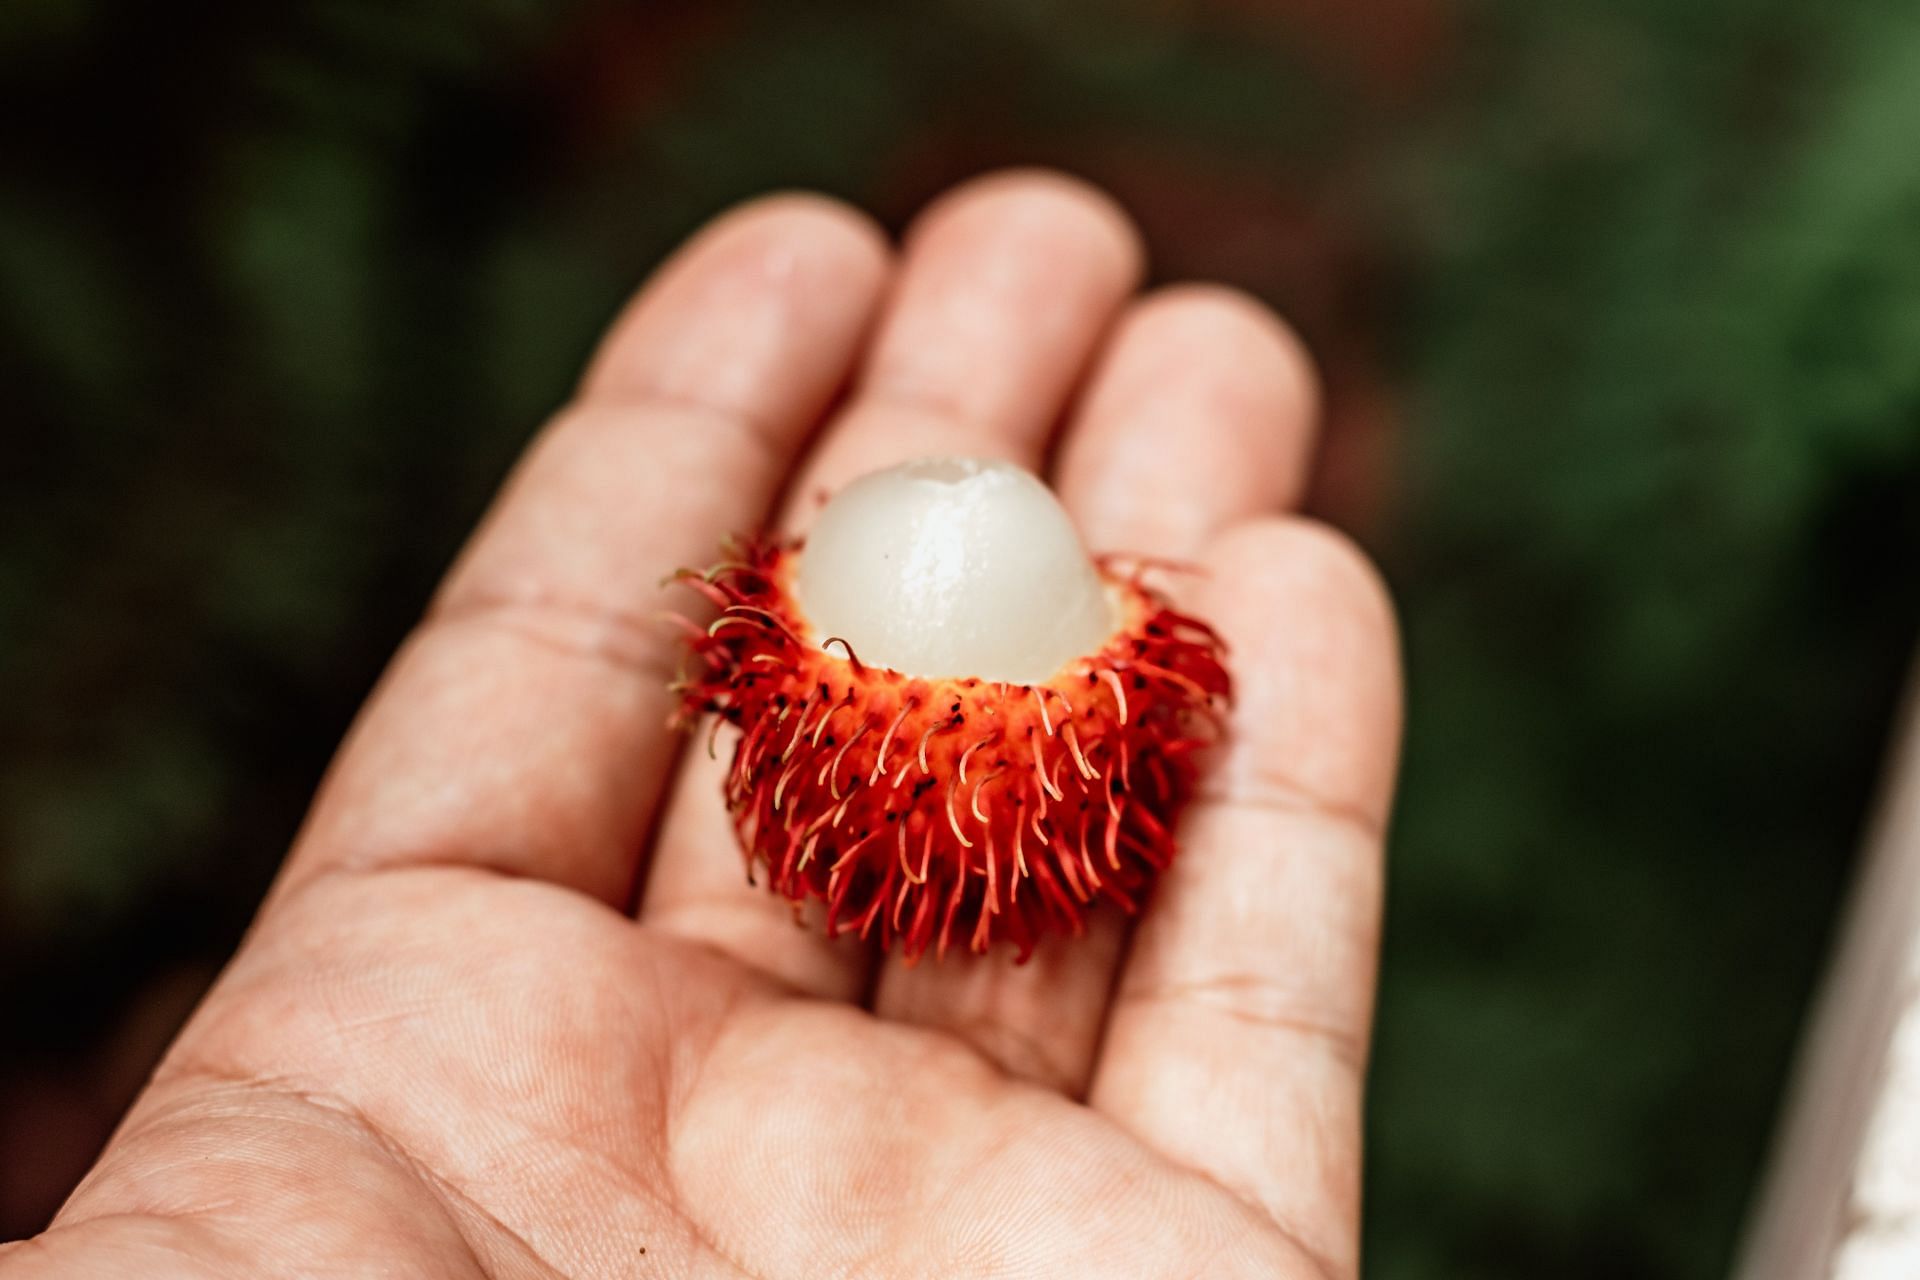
{"points": [[1619, 305]]}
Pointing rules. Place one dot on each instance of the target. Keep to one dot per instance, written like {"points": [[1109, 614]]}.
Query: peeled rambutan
{"points": [[955, 727]]}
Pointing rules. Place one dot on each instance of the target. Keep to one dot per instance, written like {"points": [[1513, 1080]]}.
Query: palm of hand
{"points": [[475, 1052], [448, 1047]]}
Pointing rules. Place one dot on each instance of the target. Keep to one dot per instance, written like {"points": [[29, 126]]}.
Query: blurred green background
{"points": [[1619, 304]]}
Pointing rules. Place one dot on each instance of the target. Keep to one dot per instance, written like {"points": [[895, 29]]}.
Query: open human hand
{"points": [[510, 1010]]}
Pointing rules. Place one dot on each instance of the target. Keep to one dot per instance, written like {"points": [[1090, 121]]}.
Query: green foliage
{"points": [[1659, 582], [287, 286]]}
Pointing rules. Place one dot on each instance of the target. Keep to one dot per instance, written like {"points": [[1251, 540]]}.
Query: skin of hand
{"points": [[510, 1010]]}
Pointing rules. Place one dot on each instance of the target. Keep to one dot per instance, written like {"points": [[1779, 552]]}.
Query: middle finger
{"points": [[1008, 284]]}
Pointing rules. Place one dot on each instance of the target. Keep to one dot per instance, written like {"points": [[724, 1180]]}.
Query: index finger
{"points": [[523, 727]]}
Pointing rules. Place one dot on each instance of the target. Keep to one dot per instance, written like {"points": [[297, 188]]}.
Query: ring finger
{"points": [[1200, 413]]}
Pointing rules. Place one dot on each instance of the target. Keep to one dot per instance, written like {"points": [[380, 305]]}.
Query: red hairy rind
{"points": [[950, 812]]}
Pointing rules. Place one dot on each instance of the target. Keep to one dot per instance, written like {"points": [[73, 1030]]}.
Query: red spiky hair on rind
{"points": [[935, 811]]}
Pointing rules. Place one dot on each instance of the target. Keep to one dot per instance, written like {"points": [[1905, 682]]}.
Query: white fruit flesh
{"points": [[953, 567]]}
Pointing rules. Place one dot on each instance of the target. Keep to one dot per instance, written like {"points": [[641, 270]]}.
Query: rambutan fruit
{"points": [[955, 727]]}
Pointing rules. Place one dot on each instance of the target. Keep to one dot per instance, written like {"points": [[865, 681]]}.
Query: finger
{"points": [[1205, 401], [523, 726], [1237, 1038], [1006, 286], [1010, 283], [1205, 412]]}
